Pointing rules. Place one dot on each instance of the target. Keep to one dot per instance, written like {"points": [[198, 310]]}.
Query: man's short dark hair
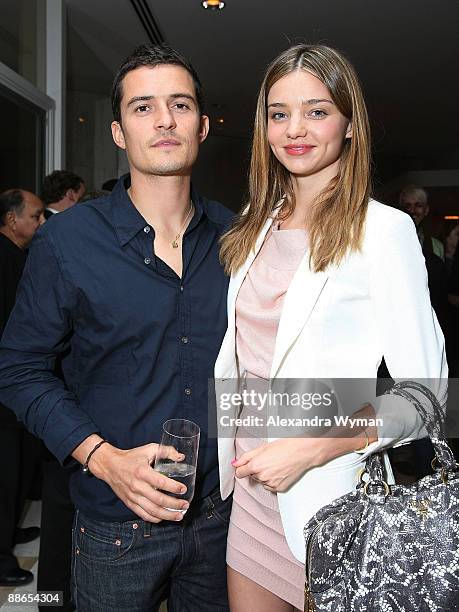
{"points": [[152, 55], [56, 185], [11, 201]]}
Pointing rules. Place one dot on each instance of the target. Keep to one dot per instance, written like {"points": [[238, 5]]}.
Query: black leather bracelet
{"points": [[85, 467]]}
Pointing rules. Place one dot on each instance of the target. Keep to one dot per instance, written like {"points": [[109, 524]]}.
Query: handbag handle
{"points": [[434, 424], [434, 421]]}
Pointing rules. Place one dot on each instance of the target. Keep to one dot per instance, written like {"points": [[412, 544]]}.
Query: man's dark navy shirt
{"points": [[140, 342]]}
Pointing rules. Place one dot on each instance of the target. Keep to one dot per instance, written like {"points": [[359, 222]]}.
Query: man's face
{"points": [[26, 223], [416, 209], [161, 125]]}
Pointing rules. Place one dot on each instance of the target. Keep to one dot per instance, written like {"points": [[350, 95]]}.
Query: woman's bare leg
{"points": [[248, 596]]}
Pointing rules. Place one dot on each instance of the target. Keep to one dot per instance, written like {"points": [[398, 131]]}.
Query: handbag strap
{"points": [[433, 420], [434, 424]]}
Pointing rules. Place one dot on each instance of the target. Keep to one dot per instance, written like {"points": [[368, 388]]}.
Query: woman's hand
{"points": [[281, 463]]}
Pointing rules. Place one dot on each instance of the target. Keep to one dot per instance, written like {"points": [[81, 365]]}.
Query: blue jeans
{"points": [[135, 565]]}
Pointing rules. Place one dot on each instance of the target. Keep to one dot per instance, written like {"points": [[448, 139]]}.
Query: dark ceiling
{"points": [[405, 51]]}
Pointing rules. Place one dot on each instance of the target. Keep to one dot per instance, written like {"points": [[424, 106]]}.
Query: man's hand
{"points": [[130, 475]]}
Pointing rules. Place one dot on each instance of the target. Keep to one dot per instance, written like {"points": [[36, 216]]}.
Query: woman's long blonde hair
{"points": [[338, 215]]}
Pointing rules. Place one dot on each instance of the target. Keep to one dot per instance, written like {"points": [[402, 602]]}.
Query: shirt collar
{"points": [[127, 220]]}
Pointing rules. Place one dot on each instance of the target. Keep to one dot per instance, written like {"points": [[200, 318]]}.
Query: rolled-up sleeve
{"points": [[412, 340], [37, 332]]}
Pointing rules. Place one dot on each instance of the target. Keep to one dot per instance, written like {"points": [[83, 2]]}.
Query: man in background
{"points": [[21, 214], [61, 190], [414, 201]]}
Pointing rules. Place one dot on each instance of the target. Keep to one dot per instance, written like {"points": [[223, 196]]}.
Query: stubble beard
{"points": [[167, 168]]}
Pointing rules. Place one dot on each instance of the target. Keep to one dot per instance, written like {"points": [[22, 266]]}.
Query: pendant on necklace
{"points": [[174, 243]]}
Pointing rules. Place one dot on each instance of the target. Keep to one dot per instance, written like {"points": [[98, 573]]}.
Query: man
{"points": [[61, 190], [21, 213], [414, 201], [134, 292]]}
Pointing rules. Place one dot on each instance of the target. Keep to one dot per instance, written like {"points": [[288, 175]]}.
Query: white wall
{"points": [[91, 152]]}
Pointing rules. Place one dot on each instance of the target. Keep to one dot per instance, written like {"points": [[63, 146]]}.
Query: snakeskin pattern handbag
{"points": [[391, 548]]}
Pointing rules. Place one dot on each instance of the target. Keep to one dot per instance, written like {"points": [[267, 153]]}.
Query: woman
{"points": [[324, 283]]}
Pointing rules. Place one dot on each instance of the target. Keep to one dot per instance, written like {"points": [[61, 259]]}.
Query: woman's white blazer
{"points": [[340, 324]]}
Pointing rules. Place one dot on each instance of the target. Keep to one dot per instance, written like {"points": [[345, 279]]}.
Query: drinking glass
{"points": [[183, 435]]}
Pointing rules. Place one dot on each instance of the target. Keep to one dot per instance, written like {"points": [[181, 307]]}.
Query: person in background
{"points": [[453, 354], [414, 201], [61, 190], [21, 214], [452, 263]]}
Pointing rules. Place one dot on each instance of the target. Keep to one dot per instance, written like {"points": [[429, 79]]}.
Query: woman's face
{"points": [[306, 130]]}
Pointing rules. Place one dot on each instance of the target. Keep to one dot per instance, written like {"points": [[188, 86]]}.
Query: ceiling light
{"points": [[451, 217], [213, 4]]}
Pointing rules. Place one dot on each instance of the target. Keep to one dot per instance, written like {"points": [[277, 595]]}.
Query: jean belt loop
{"points": [[146, 529]]}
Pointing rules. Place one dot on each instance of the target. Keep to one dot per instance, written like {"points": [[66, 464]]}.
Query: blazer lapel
{"points": [[300, 300]]}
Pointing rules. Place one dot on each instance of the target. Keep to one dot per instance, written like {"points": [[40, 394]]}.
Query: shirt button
{"points": [[185, 340], [187, 391], [146, 229], [147, 260], [181, 288]]}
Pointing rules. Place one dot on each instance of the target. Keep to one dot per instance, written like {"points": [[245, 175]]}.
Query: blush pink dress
{"points": [[257, 547]]}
